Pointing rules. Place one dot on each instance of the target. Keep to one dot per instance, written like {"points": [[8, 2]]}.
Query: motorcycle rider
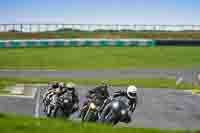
{"points": [[100, 92], [52, 87], [50, 92], [70, 89], [130, 94]]}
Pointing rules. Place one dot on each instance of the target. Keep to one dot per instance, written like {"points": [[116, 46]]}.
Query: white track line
{"points": [[179, 80], [18, 96], [188, 91], [21, 96], [37, 107]]}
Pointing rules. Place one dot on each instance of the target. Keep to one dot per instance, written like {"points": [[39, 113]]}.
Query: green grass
{"points": [[14, 124], [113, 35], [99, 58], [3, 85], [139, 82], [196, 91]]}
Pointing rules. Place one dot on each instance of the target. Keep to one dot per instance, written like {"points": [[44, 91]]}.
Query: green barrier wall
{"points": [[77, 43]]}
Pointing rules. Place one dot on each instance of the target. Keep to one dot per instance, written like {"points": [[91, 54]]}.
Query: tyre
{"points": [[110, 119], [58, 113], [90, 117], [49, 111]]}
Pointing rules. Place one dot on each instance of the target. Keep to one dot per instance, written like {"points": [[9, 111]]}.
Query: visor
{"points": [[132, 94], [71, 89]]}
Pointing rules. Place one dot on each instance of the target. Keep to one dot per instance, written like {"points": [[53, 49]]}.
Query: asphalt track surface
{"points": [[17, 105], [187, 75], [157, 108]]}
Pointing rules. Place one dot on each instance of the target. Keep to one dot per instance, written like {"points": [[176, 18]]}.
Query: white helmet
{"points": [[70, 85], [61, 85], [131, 92]]}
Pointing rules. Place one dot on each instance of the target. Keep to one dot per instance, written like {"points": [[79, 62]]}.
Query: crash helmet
{"points": [[55, 84], [104, 84], [70, 86], [61, 85], [131, 92]]}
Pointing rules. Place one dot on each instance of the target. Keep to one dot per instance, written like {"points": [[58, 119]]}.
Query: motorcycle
{"points": [[118, 112], [63, 107], [48, 101], [92, 111], [50, 106]]}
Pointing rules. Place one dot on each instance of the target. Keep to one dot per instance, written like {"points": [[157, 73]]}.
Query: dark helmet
{"points": [[104, 89], [104, 85], [55, 84]]}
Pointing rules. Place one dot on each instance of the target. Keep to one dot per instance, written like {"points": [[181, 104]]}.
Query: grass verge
{"points": [[139, 82], [113, 35], [196, 91], [3, 85], [100, 58], [12, 123]]}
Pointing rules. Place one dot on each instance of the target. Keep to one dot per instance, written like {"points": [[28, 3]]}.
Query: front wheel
{"points": [[111, 119], [90, 116], [58, 113], [49, 111]]}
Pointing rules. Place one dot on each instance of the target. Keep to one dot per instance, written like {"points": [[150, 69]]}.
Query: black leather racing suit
{"points": [[100, 93], [131, 102], [74, 94]]}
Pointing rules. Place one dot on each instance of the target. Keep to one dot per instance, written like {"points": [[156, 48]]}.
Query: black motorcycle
{"points": [[63, 107], [117, 112], [49, 105], [90, 112]]}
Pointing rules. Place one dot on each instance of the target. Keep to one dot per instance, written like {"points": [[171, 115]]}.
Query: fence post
{"points": [[5, 27], [21, 27], [38, 27]]}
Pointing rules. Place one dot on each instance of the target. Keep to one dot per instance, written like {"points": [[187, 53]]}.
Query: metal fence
{"points": [[93, 27]]}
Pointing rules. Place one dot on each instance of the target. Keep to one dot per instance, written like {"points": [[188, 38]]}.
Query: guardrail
{"points": [[97, 43], [76, 43], [178, 42], [94, 27]]}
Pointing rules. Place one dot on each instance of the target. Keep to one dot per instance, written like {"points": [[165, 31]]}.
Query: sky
{"points": [[100, 11]]}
